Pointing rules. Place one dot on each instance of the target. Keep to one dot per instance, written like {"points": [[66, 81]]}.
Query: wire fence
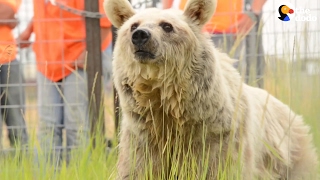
{"points": [[275, 38]]}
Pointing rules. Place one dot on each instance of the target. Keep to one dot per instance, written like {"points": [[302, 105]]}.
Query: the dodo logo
{"points": [[284, 10], [290, 13]]}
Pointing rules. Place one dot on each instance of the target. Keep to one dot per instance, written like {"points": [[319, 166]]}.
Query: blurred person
{"points": [[62, 81], [229, 27], [12, 95]]}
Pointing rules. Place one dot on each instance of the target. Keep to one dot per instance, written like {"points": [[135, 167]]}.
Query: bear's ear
{"points": [[200, 11], [118, 11]]}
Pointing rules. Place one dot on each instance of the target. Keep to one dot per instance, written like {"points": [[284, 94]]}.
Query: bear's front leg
{"points": [[138, 159], [124, 157], [132, 155]]}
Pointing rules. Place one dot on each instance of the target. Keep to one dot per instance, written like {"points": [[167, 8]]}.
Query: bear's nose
{"points": [[140, 37]]}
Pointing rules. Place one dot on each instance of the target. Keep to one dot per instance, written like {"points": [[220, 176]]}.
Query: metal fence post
{"points": [[154, 3], [94, 71]]}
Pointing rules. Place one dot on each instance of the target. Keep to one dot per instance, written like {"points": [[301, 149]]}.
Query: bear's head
{"points": [[153, 36]]}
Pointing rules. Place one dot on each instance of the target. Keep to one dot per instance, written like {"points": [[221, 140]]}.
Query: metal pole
{"points": [[154, 3], [94, 71]]}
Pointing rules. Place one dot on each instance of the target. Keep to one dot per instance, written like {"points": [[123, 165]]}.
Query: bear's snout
{"points": [[140, 37]]}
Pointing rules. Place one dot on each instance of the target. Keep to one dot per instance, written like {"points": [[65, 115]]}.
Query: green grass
{"points": [[87, 164]]}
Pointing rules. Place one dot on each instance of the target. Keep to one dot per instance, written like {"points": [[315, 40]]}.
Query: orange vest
{"points": [[227, 13], [8, 47], [60, 37]]}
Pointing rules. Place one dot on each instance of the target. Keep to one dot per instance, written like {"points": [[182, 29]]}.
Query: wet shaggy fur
{"points": [[186, 111]]}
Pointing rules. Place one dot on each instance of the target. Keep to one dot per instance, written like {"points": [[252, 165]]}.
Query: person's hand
{"points": [[23, 39], [244, 25], [81, 60]]}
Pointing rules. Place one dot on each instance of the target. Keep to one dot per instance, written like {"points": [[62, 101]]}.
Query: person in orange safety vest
{"points": [[12, 95], [60, 50]]}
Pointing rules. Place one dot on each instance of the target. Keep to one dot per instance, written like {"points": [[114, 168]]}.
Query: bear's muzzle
{"points": [[140, 37]]}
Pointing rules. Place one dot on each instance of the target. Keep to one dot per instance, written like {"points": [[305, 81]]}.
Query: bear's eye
{"points": [[166, 27], [134, 26]]}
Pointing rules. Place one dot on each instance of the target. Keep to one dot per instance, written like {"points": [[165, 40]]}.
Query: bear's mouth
{"points": [[141, 54]]}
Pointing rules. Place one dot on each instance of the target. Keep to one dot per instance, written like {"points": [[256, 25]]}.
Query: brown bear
{"points": [[186, 114]]}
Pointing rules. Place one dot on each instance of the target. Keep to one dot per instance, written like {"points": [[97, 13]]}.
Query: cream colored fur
{"points": [[189, 103]]}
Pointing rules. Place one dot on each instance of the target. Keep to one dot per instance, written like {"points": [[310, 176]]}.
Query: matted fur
{"points": [[188, 104]]}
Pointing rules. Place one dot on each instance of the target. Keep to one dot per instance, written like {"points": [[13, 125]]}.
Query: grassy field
{"points": [[285, 81]]}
